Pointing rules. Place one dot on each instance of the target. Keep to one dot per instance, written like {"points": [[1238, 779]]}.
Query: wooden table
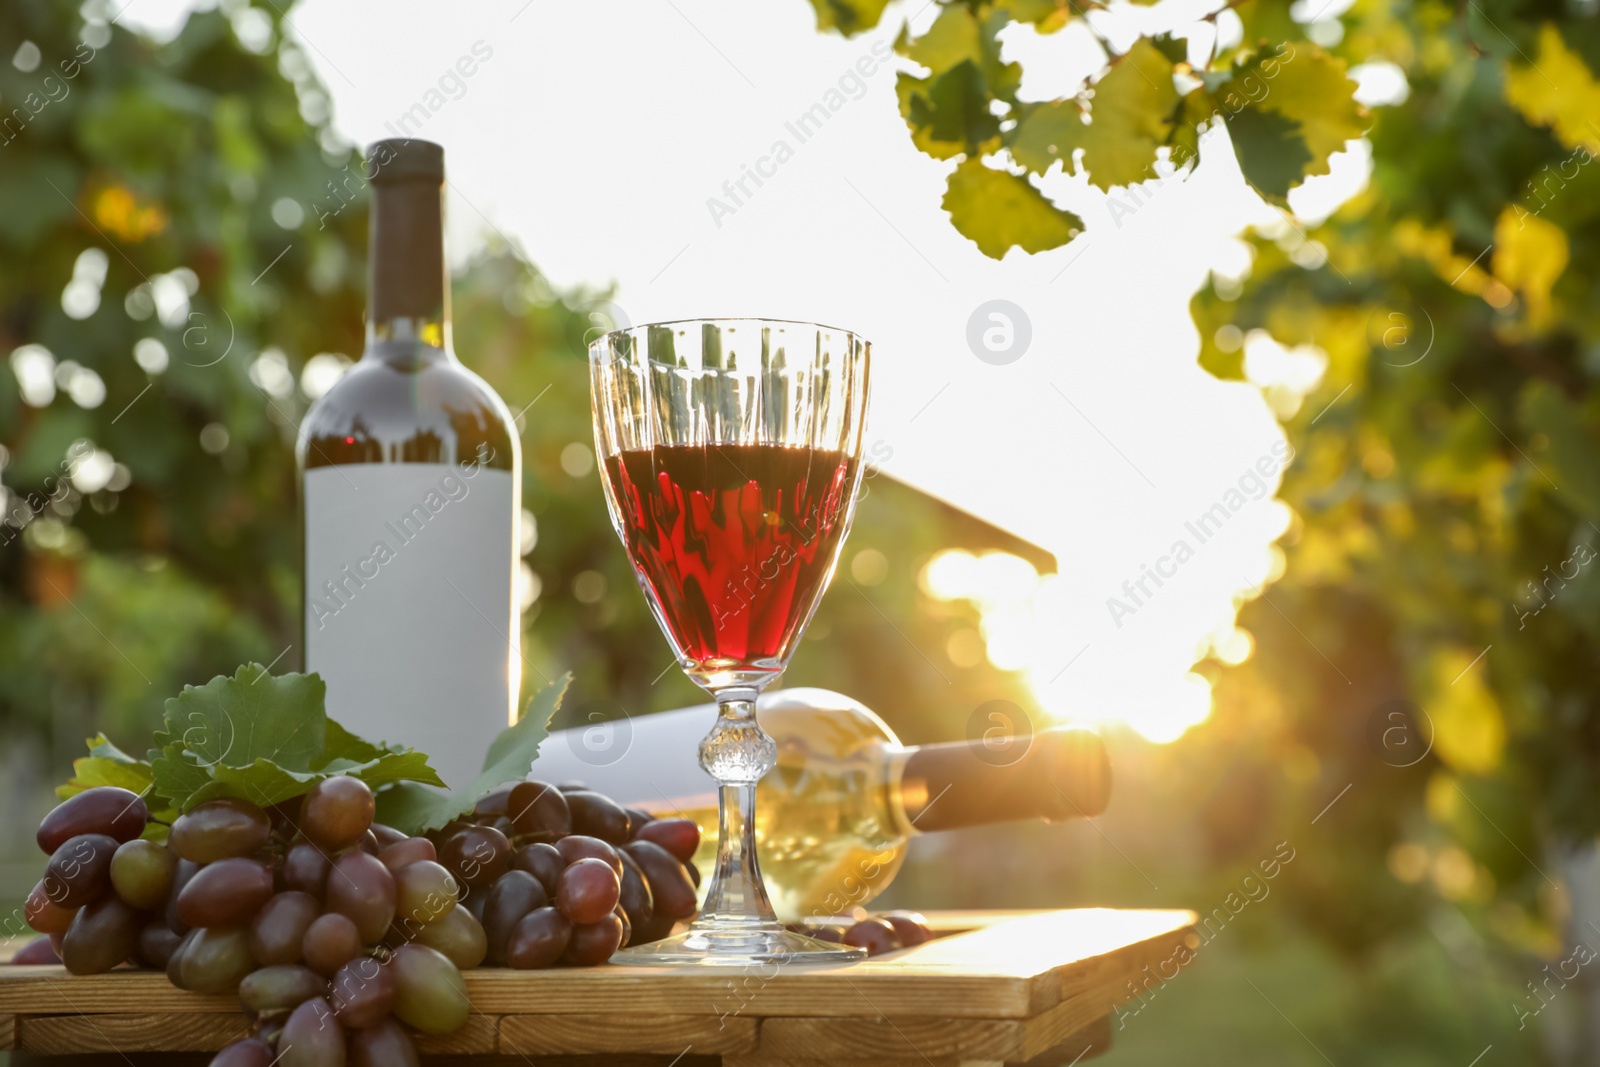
{"points": [[1032, 988]]}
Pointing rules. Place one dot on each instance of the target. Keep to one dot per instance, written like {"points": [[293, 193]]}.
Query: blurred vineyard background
{"points": [[182, 270]]}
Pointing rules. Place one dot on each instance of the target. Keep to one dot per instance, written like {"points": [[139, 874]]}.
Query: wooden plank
{"points": [[480, 1036], [529, 1035], [58, 1035], [8, 1031], [1093, 1040]]}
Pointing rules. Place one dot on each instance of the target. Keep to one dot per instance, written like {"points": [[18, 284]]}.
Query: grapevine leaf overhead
{"points": [[1293, 105]]}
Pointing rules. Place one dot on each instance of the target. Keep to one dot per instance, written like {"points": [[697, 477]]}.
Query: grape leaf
{"points": [[849, 17], [1272, 154], [106, 764], [950, 41], [1130, 117], [414, 809], [1307, 85], [996, 210], [1047, 16], [1569, 111]]}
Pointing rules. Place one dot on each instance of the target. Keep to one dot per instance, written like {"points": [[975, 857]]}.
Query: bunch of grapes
{"points": [[342, 936]]}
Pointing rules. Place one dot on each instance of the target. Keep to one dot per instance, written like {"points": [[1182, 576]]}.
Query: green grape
{"points": [[362, 889], [337, 812], [385, 1045], [219, 829], [429, 994], [105, 809], [512, 896], [215, 960], [280, 988], [225, 893], [141, 873], [312, 1037], [424, 892], [363, 990], [279, 928], [80, 870], [459, 937], [102, 935]]}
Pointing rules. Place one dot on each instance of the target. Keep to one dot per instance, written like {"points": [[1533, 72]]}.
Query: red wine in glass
{"points": [[733, 543]]}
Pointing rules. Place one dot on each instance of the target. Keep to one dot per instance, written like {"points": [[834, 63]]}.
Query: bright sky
{"points": [[593, 134]]}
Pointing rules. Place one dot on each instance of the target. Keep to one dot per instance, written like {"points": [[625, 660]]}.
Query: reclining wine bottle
{"points": [[411, 482], [834, 815]]}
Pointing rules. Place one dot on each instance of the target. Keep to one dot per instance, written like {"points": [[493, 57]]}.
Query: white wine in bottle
{"points": [[834, 815], [411, 477]]}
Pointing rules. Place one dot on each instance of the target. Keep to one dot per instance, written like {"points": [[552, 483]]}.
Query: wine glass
{"points": [[730, 452]]}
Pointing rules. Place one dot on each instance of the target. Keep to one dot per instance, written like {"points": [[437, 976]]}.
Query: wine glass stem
{"points": [[737, 753]]}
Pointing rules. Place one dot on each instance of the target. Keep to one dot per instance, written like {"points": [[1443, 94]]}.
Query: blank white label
{"points": [[410, 612]]}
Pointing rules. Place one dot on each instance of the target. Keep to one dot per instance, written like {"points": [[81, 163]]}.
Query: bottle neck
{"points": [[1057, 774], [408, 318]]}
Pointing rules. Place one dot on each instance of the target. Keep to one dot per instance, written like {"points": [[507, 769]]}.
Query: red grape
{"points": [[331, 941], [874, 935], [594, 943], [681, 837], [80, 870], [246, 1052], [105, 809], [305, 868], [385, 1045], [575, 847], [477, 854], [312, 1037], [219, 829], [337, 812], [541, 860], [670, 886], [587, 891], [424, 892], [362, 889], [513, 895], [538, 940], [37, 951], [409, 850], [363, 990], [279, 928], [538, 808], [225, 893], [44, 914], [597, 815]]}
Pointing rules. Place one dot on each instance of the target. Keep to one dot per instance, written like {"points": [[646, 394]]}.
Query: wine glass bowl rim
{"points": [[600, 348]]}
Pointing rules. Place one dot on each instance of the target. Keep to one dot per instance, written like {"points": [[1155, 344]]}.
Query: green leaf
{"points": [[414, 809], [849, 17], [1302, 83], [1047, 16], [997, 210], [950, 41], [1130, 117], [251, 716], [1272, 154], [106, 764]]}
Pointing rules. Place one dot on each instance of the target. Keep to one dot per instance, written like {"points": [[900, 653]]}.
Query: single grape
{"points": [[670, 887], [477, 854], [337, 812], [406, 851], [363, 990], [37, 951], [80, 870], [363, 889], [657, 927], [157, 943], [538, 940], [458, 936], [593, 943], [44, 914], [280, 988], [637, 820], [181, 876], [830, 932], [141, 873], [387, 835], [429, 994], [635, 899], [331, 941], [874, 935], [175, 961], [513, 895], [504, 825], [368, 843], [279, 928], [246, 1052], [305, 869], [575, 847], [587, 891], [384, 1045], [538, 808], [543, 861], [424, 892], [627, 925], [494, 801], [910, 926], [219, 829], [105, 809], [215, 960], [597, 815], [312, 1037], [573, 785], [225, 893], [681, 837]]}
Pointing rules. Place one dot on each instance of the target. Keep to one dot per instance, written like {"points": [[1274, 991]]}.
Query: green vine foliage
{"points": [[1440, 587]]}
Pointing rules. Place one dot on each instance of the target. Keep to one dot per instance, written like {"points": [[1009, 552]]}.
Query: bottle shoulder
{"points": [[422, 411]]}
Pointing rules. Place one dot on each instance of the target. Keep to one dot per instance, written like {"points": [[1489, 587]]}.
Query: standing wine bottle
{"points": [[411, 480], [834, 814]]}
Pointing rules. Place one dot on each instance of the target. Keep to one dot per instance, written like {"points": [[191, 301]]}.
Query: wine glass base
{"points": [[713, 947]]}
